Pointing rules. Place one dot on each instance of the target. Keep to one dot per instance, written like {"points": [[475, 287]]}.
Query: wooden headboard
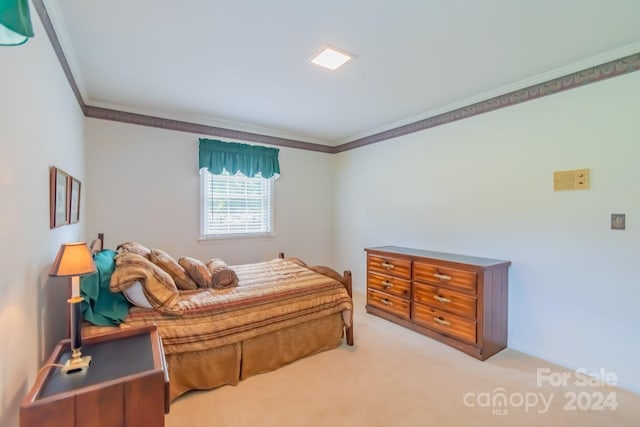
{"points": [[97, 244]]}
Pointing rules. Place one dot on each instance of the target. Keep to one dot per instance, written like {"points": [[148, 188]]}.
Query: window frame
{"points": [[221, 236]]}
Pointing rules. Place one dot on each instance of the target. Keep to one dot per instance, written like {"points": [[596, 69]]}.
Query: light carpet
{"points": [[396, 377]]}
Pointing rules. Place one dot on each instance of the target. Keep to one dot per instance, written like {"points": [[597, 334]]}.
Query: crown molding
{"points": [[57, 48], [594, 74], [183, 126], [58, 24], [606, 70]]}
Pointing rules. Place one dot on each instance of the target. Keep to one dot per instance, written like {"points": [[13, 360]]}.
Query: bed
{"points": [[281, 310]]}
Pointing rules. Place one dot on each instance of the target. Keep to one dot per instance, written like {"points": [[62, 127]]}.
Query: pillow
{"points": [[196, 270], [157, 284], [134, 247], [221, 275], [171, 266], [135, 295]]}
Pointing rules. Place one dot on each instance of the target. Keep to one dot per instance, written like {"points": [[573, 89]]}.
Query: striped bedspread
{"points": [[270, 295]]}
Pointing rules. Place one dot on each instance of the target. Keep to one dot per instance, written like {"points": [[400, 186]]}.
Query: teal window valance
{"points": [[250, 160]]}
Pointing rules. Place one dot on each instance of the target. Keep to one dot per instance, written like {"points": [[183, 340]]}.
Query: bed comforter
{"points": [[270, 296]]}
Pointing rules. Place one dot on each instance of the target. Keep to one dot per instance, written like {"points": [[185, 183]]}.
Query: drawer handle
{"points": [[441, 299], [387, 284], [441, 276], [386, 301], [387, 265], [442, 321]]}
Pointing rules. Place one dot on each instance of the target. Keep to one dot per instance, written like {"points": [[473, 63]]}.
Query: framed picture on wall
{"points": [[58, 200], [74, 200]]}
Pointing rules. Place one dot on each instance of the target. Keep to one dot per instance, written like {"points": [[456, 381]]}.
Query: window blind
{"points": [[236, 204]]}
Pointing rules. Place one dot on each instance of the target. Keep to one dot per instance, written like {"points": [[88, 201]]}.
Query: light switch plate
{"points": [[577, 179], [617, 221]]}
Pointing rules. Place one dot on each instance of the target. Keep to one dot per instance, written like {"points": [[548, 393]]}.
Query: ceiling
{"points": [[244, 65]]}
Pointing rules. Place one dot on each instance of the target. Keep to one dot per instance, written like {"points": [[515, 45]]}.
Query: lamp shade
{"points": [[73, 259], [15, 22]]}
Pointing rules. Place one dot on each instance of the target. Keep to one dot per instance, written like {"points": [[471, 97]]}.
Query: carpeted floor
{"points": [[396, 377]]}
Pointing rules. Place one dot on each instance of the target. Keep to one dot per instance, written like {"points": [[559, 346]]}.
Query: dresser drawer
{"points": [[390, 303], [445, 299], [397, 267], [389, 284], [445, 323], [445, 276]]}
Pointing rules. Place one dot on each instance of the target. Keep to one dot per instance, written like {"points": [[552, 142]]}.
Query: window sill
{"points": [[228, 237]]}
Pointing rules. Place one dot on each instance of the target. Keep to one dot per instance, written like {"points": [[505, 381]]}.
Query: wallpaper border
{"points": [[182, 126], [594, 74]]}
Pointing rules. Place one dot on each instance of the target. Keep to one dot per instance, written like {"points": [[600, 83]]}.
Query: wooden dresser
{"points": [[459, 300]]}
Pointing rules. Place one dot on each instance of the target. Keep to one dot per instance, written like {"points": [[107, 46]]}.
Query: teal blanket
{"points": [[100, 306]]}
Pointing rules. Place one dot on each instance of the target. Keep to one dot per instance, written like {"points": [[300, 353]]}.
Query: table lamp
{"points": [[74, 260]]}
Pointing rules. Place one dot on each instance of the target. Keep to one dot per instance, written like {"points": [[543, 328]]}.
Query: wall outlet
{"points": [[617, 221]]}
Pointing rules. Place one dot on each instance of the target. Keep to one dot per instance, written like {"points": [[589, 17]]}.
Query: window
{"points": [[235, 205]]}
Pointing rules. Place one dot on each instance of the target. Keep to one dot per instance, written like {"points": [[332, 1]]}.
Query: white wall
{"points": [[145, 187], [40, 126], [484, 186]]}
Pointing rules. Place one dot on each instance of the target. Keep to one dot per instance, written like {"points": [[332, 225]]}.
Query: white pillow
{"points": [[136, 296]]}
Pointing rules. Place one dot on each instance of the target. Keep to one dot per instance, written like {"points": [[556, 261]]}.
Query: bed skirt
{"points": [[229, 364]]}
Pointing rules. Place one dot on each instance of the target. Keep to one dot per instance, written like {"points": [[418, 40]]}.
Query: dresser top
{"points": [[462, 259]]}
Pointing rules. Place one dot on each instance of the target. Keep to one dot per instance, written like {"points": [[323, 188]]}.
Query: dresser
{"points": [[456, 299]]}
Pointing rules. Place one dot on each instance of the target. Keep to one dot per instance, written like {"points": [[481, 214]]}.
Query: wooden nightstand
{"points": [[126, 385]]}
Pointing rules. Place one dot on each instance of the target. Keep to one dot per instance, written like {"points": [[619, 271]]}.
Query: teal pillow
{"points": [[100, 306]]}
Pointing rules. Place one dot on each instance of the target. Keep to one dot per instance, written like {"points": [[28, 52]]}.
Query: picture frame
{"points": [[74, 200], [58, 197]]}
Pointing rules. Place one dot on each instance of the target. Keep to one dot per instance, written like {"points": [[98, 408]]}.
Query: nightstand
{"points": [[126, 385]]}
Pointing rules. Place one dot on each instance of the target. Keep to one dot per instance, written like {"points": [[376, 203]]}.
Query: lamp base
{"points": [[76, 364]]}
